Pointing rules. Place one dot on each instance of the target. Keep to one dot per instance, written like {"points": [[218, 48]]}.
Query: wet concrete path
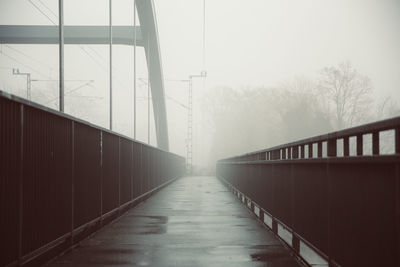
{"points": [[195, 221]]}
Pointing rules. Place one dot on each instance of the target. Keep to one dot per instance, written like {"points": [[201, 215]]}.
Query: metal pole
{"points": [[110, 31], [148, 112], [134, 69], [61, 52], [189, 155], [28, 86], [28, 81], [148, 92], [204, 34], [190, 129]]}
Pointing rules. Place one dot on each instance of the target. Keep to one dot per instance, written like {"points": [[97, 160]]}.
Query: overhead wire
{"points": [[41, 11], [70, 91], [23, 64], [49, 9], [83, 48], [96, 61], [26, 55], [80, 46]]}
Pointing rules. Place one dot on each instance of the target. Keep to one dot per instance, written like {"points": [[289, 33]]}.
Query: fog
{"points": [[270, 48], [267, 63]]}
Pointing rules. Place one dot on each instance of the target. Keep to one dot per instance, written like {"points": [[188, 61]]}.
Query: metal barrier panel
{"points": [[283, 191], [347, 209], [60, 177], [267, 187], [110, 172], [311, 200], [126, 170], [47, 154], [145, 169], [363, 213], [10, 174], [87, 173], [137, 175]]}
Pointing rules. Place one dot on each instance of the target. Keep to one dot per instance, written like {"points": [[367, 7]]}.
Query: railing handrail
{"points": [[75, 119], [369, 128]]}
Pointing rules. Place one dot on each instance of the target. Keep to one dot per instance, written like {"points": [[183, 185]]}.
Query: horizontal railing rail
{"points": [[327, 194], [62, 178], [328, 143]]}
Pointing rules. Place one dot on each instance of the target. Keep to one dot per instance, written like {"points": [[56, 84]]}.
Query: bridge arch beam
{"points": [[146, 36]]}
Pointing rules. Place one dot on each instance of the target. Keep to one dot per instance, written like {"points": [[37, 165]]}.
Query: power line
{"points": [[26, 55], [19, 62], [41, 12], [83, 48], [47, 7], [95, 60], [70, 91], [98, 54], [80, 46], [177, 102]]}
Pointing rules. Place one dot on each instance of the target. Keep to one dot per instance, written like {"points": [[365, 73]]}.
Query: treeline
{"points": [[248, 119]]}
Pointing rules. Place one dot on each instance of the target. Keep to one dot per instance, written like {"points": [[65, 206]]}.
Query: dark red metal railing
{"points": [[62, 178], [345, 206]]}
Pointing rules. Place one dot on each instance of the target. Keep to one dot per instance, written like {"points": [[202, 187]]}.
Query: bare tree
{"points": [[347, 95], [301, 113], [387, 108]]}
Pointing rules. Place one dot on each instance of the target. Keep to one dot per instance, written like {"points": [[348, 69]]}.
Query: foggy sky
{"points": [[264, 43], [249, 43]]}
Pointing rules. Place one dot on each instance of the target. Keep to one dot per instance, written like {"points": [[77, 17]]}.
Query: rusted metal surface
{"points": [[87, 182], [110, 172], [10, 170], [60, 177], [47, 155], [126, 170], [345, 207]]}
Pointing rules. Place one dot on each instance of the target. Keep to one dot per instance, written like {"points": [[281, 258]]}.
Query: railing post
{"points": [[375, 143], [274, 226], [296, 243], [21, 185], [397, 140], [332, 147], [303, 154], [261, 215], [119, 175], [295, 152], [359, 144], [397, 206], [72, 181], [310, 151], [346, 146], [101, 178], [319, 149]]}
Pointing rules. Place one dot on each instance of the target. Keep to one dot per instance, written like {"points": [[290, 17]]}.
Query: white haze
{"points": [[261, 43], [249, 44]]}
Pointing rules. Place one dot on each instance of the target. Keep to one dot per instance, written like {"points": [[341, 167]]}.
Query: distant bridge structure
{"points": [[330, 200], [144, 35]]}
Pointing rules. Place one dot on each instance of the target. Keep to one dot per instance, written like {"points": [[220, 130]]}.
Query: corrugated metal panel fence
{"points": [[61, 178]]}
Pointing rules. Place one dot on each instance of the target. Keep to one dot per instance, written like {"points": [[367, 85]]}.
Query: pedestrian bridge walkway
{"points": [[194, 221], [333, 200]]}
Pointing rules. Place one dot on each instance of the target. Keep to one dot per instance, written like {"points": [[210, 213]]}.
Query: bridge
{"points": [[73, 193]]}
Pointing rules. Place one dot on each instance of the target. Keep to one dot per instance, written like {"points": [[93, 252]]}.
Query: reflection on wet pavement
{"points": [[195, 221]]}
